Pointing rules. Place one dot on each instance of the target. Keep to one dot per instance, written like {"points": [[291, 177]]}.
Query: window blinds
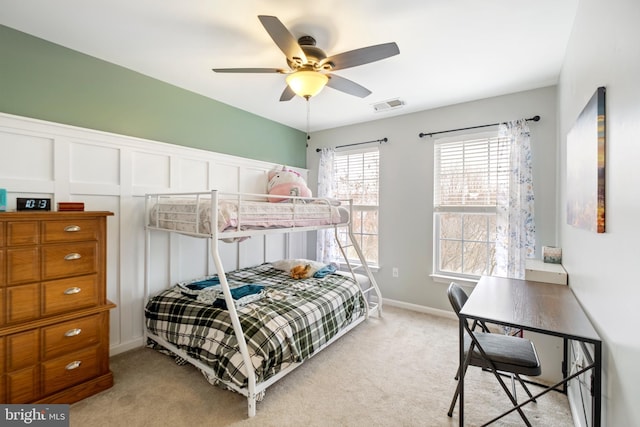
{"points": [[356, 175], [470, 172]]}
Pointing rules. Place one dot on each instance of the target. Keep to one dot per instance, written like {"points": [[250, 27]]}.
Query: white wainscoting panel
{"points": [[151, 170], [113, 173], [253, 180], [92, 164], [275, 245], [193, 175], [30, 159], [228, 176]]}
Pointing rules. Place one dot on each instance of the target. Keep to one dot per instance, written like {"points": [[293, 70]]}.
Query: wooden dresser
{"points": [[54, 314]]}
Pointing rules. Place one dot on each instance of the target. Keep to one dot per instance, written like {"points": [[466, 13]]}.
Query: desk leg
{"points": [[462, 371], [596, 385], [565, 362]]}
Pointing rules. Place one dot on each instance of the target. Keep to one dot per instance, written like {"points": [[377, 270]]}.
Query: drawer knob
{"points": [[72, 228], [73, 332], [72, 256], [71, 291], [73, 365]]}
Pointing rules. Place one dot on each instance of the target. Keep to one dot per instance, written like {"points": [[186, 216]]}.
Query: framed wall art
{"points": [[586, 166]]}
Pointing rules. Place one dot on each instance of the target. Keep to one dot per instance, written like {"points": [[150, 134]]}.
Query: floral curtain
{"points": [[326, 247], [515, 225]]}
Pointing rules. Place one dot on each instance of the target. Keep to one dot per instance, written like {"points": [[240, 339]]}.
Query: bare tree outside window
{"points": [[467, 175], [357, 177]]}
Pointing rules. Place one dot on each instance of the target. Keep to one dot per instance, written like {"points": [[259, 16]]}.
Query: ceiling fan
{"points": [[309, 66]]}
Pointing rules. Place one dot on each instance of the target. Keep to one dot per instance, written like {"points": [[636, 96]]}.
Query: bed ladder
{"points": [[372, 296]]}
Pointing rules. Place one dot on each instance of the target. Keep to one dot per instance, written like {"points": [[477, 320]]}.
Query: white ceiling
{"points": [[451, 51]]}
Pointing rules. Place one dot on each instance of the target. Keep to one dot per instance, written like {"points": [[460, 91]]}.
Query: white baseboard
{"points": [[129, 345], [420, 308]]}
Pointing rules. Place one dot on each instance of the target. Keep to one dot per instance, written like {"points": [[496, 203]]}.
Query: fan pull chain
{"points": [[308, 115]]}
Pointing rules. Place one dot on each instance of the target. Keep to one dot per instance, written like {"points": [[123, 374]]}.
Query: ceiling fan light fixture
{"points": [[306, 83]]}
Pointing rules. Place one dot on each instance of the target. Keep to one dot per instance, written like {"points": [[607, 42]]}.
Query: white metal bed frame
{"points": [[254, 390]]}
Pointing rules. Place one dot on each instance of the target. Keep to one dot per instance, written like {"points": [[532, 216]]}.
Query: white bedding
{"points": [[181, 215], [362, 279]]}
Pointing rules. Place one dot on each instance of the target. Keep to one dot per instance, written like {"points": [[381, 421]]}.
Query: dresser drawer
{"points": [[62, 295], [2, 321], [1, 359], [22, 233], [2, 276], [23, 265], [70, 230], [70, 369], [69, 260], [22, 350], [22, 385], [23, 303], [70, 336]]}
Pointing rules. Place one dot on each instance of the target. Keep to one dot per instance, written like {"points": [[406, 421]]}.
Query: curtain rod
{"points": [[421, 135], [381, 141]]}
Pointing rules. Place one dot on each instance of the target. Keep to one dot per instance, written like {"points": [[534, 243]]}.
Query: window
{"points": [[356, 176], [468, 174]]}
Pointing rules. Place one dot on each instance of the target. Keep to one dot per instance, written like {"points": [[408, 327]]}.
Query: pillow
{"points": [[288, 264], [286, 182]]}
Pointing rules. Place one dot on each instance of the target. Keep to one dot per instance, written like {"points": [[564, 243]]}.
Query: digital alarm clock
{"points": [[32, 204]]}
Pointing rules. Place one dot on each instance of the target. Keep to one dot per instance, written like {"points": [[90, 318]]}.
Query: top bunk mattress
{"points": [[193, 215]]}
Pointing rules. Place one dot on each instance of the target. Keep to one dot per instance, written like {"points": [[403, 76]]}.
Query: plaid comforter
{"points": [[287, 325]]}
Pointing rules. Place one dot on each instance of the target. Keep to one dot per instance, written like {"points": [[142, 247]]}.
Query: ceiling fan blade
{"points": [[347, 86], [283, 38], [249, 70], [287, 94], [362, 56]]}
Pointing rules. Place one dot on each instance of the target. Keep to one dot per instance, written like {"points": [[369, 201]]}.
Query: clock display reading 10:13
{"points": [[31, 204]]}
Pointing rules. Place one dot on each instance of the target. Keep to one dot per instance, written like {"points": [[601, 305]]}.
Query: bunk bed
{"points": [[282, 321]]}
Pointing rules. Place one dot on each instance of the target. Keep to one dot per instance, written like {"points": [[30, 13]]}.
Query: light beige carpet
{"points": [[393, 371]]}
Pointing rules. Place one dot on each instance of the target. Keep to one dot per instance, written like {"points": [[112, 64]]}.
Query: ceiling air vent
{"points": [[390, 104]]}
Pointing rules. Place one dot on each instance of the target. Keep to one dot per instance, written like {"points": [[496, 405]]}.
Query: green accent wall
{"points": [[46, 81]]}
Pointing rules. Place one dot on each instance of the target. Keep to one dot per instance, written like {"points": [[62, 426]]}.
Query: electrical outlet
{"points": [[395, 271]]}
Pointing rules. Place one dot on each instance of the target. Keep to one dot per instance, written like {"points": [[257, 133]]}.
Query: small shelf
{"points": [[539, 271]]}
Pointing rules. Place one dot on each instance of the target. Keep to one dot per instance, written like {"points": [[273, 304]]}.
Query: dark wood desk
{"points": [[534, 306]]}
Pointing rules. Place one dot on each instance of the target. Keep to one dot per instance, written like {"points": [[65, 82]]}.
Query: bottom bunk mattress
{"points": [[286, 322]]}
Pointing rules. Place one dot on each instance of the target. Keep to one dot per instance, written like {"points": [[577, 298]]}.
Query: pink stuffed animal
{"points": [[285, 182]]}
